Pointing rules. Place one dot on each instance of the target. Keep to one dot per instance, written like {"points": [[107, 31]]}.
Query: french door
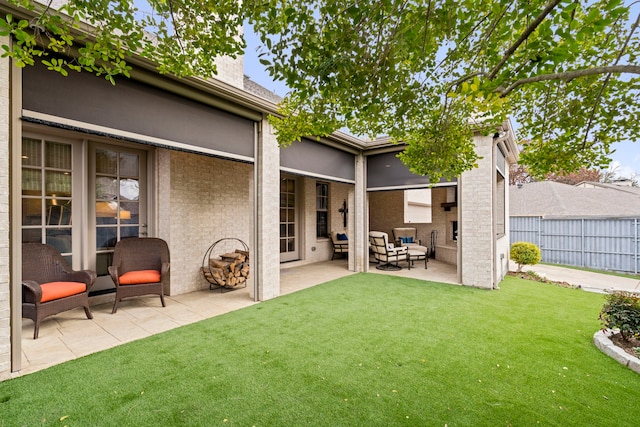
{"points": [[118, 187], [289, 238]]}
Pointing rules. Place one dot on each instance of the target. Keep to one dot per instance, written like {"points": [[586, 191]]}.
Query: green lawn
{"points": [[368, 349]]}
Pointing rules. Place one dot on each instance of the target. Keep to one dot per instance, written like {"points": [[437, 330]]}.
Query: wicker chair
{"points": [[140, 267], [49, 286]]}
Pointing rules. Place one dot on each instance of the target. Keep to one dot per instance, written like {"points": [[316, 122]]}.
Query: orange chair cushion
{"points": [[140, 276], [57, 290]]}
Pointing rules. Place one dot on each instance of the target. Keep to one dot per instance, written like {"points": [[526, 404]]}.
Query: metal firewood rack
{"points": [[208, 271]]}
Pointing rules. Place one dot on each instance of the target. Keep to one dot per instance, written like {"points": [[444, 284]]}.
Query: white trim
{"points": [[413, 187], [316, 175], [115, 133]]}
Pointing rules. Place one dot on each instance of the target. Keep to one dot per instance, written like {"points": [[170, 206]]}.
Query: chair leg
{"points": [[115, 306], [162, 299], [87, 311], [36, 329]]}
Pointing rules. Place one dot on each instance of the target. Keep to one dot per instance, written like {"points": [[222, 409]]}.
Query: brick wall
{"points": [[201, 200]]}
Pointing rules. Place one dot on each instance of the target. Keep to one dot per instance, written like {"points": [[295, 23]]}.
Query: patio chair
{"points": [[408, 237], [340, 243], [140, 267], [386, 253], [50, 286]]}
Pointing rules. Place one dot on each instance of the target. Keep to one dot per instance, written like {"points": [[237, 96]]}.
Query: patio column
{"points": [[358, 221], [476, 237], [265, 250], [5, 282]]}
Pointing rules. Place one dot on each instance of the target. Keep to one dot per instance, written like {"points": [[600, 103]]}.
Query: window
{"points": [[417, 206], [500, 192], [322, 209], [47, 193], [500, 202]]}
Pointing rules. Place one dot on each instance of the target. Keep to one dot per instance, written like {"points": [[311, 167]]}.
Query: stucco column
{"points": [[476, 236], [265, 233], [359, 245], [5, 294]]}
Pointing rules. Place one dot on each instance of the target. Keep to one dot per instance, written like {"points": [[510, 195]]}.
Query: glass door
{"points": [[288, 220], [120, 209]]}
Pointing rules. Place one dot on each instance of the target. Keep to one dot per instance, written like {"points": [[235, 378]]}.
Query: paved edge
{"points": [[602, 341]]}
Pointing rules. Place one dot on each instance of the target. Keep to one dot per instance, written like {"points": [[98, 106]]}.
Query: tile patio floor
{"points": [[70, 335]]}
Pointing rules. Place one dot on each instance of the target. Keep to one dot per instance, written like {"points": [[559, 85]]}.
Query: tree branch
{"points": [[530, 29], [569, 75], [604, 85]]}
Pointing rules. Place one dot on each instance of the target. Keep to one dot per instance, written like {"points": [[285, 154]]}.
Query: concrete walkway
{"points": [[589, 281]]}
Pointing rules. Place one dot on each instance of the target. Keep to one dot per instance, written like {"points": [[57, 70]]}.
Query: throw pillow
{"points": [[342, 236]]}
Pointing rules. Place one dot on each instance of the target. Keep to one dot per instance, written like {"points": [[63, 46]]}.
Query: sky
{"points": [[625, 161]]}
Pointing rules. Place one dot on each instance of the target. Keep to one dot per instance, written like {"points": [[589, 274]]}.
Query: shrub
{"points": [[525, 253], [621, 311]]}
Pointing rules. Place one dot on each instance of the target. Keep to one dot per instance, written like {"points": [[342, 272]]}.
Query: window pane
{"points": [[32, 235], [283, 230], [106, 238], [57, 184], [31, 211], [291, 186], [31, 182], [58, 155], [129, 165], [106, 212], [291, 215], [283, 246], [106, 188], [129, 213], [291, 245], [321, 224], [57, 213], [31, 152], [283, 215], [128, 232], [129, 189], [60, 238], [106, 162], [291, 230], [291, 200]]}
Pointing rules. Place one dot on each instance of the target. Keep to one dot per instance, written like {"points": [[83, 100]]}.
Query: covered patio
{"points": [[69, 335]]}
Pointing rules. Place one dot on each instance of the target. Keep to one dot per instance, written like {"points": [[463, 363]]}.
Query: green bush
{"points": [[621, 310], [525, 253]]}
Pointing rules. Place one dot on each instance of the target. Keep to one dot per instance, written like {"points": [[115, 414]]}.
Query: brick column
{"points": [[476, 236], [266, 230], [5, 311], [358, 219]]}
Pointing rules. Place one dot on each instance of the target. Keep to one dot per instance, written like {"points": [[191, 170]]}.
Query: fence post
{"points": [[582, 242], [636, 243]]}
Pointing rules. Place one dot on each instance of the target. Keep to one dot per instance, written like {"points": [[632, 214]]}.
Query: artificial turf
{"points": [[367, 349]]}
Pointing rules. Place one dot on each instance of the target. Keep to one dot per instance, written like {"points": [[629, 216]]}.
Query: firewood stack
{"points": [[230, 271]]}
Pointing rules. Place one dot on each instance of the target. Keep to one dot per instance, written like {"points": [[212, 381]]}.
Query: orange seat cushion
{"points": [[57, 290], [140, 276]]}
